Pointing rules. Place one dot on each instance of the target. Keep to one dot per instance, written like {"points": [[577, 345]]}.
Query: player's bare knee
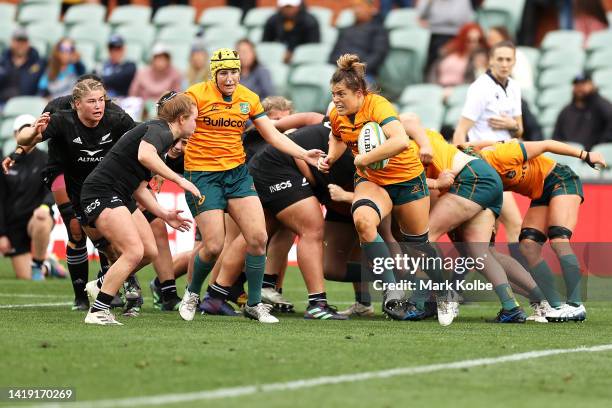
{"points": [[75, 230], [211, 249], [257, 242], [133, 255]]}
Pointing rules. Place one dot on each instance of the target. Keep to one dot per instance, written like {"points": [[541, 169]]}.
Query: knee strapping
{"points": [[556, 231], [368, 203], [100, 244], [420, 243], [532, 234]]}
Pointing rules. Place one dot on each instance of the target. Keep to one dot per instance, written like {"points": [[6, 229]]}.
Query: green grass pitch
{"points": [[159, 354]]}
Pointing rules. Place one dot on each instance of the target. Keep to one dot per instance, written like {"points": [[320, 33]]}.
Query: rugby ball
{"points": [[370, 137]]}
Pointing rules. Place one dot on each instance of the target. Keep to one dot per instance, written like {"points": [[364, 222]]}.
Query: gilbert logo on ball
{"points": [[370, 137]]}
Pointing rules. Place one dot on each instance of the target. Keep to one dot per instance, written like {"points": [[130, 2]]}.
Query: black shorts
{"points": [[17, 233], [93, 205], [334, 216], [280, 187]]}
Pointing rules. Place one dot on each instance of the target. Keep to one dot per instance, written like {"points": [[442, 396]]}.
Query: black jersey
{"points": [[121, 172], [77, 148], [308, 137], [22, 191]]}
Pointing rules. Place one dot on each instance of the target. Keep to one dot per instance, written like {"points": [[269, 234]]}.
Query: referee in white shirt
{"points": [[492, 111]]}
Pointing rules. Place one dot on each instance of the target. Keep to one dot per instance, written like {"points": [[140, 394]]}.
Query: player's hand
{"points": [[156, 183], [5, 245], [503, 123], [189, 186], [42, 122], [323, 164], [426, 155], [339, 194], [312, 156], [445, 180], [360, 163], [174, 219], [596, 159], [7, 163]]}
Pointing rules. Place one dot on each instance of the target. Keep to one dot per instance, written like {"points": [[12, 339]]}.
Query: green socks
{"points": [[506, 296], [572, 277], [201, 270], [255, 265], [544, 278], [378, 249]]}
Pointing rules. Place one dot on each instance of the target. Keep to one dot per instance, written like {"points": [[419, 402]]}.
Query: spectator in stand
{"points": [[453, 67], [366, 38], [523, 71], [444, 18], [117, 73], [532, 130], [64, 68], [159, 77], [291, 25], [26, 218], [253, 75], [245, 5], [387, 5], [20, 68], [589, 17], [588, 118], [198, 70]]}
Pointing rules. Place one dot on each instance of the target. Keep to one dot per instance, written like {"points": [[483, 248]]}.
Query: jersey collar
{"points": [[504, 87]]}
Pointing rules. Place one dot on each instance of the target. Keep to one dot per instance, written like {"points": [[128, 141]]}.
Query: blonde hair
{"points": [[278, 103], [172, 106], [351, 71], [84, 87]]}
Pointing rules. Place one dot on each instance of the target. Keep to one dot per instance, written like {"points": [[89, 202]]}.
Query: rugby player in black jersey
{"points": [[108, 194]]}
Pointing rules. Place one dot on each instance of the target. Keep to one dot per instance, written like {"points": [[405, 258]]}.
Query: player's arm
{"points": [[148, 157], [534, 149], [397, 142], [339, 194], [514, 125], [461, 131], [148, 201], [336, 149], [31, 135], [298, 120], [414, 129], [19, 153], [283, 143], [445, 179]]}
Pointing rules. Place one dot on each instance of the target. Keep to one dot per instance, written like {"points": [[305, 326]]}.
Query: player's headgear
{"points": [[223, 58]]}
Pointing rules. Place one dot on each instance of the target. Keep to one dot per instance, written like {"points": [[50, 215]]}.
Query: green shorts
{"points": [[561, 181], [405, 191], [217, 187], [480, 183]]}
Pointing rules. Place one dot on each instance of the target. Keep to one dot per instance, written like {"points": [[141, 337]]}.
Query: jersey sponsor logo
{"points": [[106, 139], [116, 199], [213, 108], [280, 186], [90, 158], [95, 204], [221, 122], [244, 107], [304, 182], [417, 188], [77, 140], [201, 200]]}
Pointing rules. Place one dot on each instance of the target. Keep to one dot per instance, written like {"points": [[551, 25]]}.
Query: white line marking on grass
{"points": [[35, 305], [318, 381], [31, 295]]}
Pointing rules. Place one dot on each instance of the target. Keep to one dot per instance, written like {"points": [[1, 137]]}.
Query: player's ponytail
{"points": [[351, 71], [173, 105]]}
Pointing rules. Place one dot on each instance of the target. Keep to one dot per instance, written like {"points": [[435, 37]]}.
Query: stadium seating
{"points": [[563, 39], [143, 34], [256, 34], [6, 130], [421, 93], [85, 13], [600, 59], [603, 78], [174, 15], [216, 37], [313, 53], [8, 12], [18, 105], [346, 18], [405, 61], [130, 14], [6, 32], [309, 87], [49, 32], [401, 18], [501, 13], [280, 76], [452, 115], [557, 77], [221, 16], [430, 113], [270, 53], [548, 118], [599, 40], [177, 33], [39, 12], [558, 96], [329, 35], [558, 58], [95, 34], [257, 17], [88, 53], [532, 54], [457, 97], [322, 14]]}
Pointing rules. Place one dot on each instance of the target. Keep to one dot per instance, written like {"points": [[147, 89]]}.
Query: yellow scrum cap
{"points": [[223, 58]]}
